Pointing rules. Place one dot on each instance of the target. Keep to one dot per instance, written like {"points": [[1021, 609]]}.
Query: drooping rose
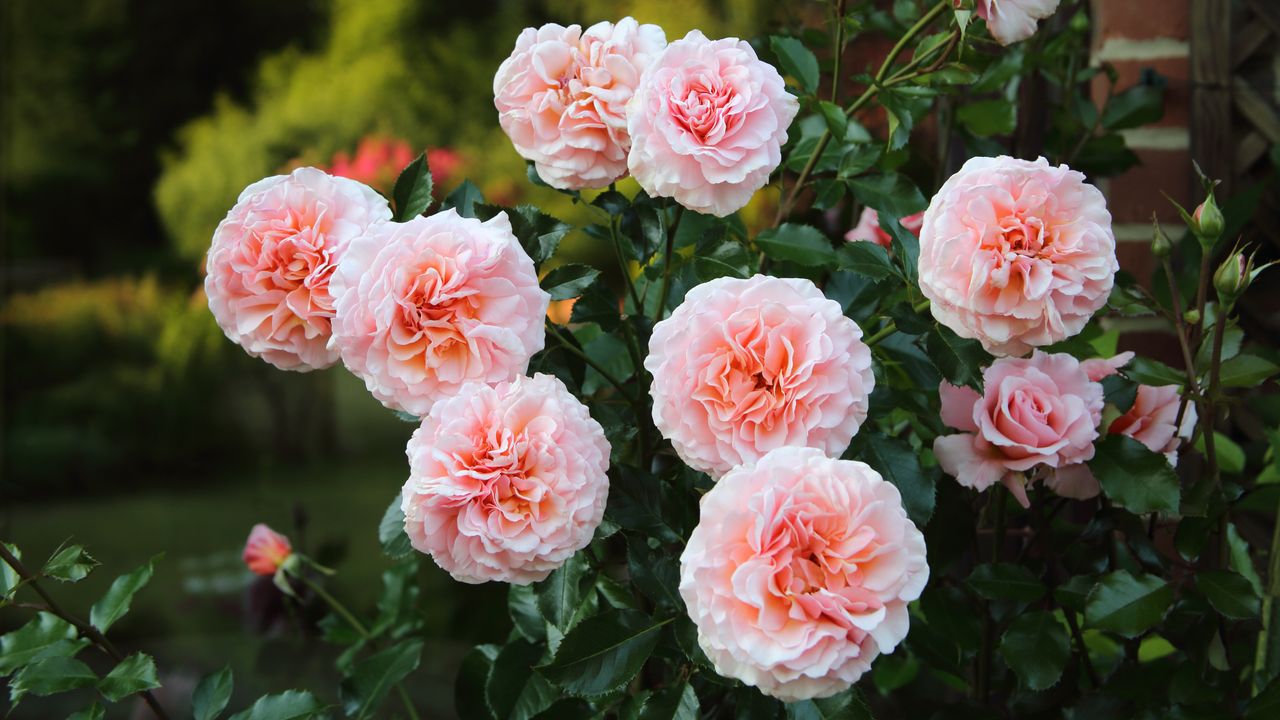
{"points": [[708, 123], [799, 573], [426, 306], [868, 228], [1040, 412], [266, 550], [507, 481], [272, 257], [745, 366], [1016, 254], [562, 98], [1012, 21]]}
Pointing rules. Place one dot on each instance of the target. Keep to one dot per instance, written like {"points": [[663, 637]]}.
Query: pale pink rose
{"points": [[562, 98], [799, 573], [745, 366], [708, 123], [272, 257], [868, 228], [426, 306], [1040, 412], [1011, 21], [266, 550], [506, 482], [1097, 369], [1016, 254]]}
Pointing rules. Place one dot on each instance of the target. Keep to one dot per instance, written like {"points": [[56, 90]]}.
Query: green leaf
{"points": [[1135, 478], [1266, 704], [568, 281], [8, 576], [364, 689], [1119, 391], [560, 597], [464, 199], [635, 503], [1006, 581], [1246, 371], [833, 114], [412, 192], [288, 705], [889, 194], [656, 573], [115, 603], [797, 61], [1073, 593], [900, 465], [674, 702], [1036, 647], [603, 653], [988, 117], [1230, 455], [865, 258], [1229, 593], [45, 635], [1127, 604], [847, 705], [70, 564], [522, 606], [1134, 107], [539, 233], [93, 712], [391, 534], [133, 675], [960, 360], [212, 694], [469, 687], [512, 677], [1152, 372], [48, 676], [800, 244]]}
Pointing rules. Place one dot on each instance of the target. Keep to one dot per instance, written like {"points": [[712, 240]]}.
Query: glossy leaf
{"points": [[288, 705], [899, 464], [412, 191], [1246, 371], [568, 281], [1127, 604], [800, 244], [1229, 593], [212, 694], [365, 688], [470, 702], [115, 603], [797, 61], [70, 564], [847, 705], [960, 360], [48, 676], [1036, 647], [1006, 581], [603, 652], [132, 675], [391, 534], [674, 702], [45, 635], [865, 258], [1134, 477], [560, 597]]}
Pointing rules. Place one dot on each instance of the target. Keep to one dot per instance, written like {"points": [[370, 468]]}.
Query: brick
{"points": [[1177, 94], [1136, 259], [1159, 345], [1133, 196], [1137, 19]]}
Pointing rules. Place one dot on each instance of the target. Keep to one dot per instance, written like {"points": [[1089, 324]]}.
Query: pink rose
{"points": [[506, 482], [266, 550], [1011, 21], [868, 228], [426, 306], [799, 573], [562, 98], [1016, 254], [746, 366], [708, 123], [269, 267], [1041, 411]]}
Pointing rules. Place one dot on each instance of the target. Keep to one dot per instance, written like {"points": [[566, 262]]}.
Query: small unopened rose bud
{"points": [[1192, 316], [1231, 278], [1160, 244], [266, 550], [1208, 222]]}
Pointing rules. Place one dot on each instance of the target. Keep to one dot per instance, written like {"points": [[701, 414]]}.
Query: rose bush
{"points": [[760, 471]]}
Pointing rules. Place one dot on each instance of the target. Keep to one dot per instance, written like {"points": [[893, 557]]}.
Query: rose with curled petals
{"points": [[799, 573], [1012, 21]]}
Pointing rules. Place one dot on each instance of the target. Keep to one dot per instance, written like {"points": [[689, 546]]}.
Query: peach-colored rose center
{"points": [[705, 107], [291, 254], [434, 303], [756, 377], [497, 480]]}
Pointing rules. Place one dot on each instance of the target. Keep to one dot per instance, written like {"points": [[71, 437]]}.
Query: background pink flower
{"points": [[506, 482], [425, 306], [562, 98], [799, 573], [265, 550], [272, 257], [745, 366], [1041, 411], [1016, 254], [708, 123], [868, 228], [1011, 21]]}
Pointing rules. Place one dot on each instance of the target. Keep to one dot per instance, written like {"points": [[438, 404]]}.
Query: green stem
{"points": [[666, 266], [622, 264], [608, 376], [1180, 326], [882, 333], [1207, 423], [839, 51], [1268, 599]]}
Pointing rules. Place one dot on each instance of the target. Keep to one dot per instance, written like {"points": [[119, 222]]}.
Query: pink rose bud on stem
{"points": [[1234, 276], [266, 550], [1207, 222]]}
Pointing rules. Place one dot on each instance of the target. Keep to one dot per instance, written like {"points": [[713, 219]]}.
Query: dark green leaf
{"points": [[865, 258], [45, 635], [395, 543], [603, 653], [904, 105], [1139, 105], [800, 244], [1120, 391], [8, 576], [900, 465], [890, 194], [522, 605], [728, 259], [1229, 593], [891, 672], [133, 675], [597, 304], [988, 117], [1266, 704], [511, 674], [960, 360], [827, 193], [674, 702], [1127, 604], [364, 689], [412, 192], [469, 698], [93, 712], [212, 694], [1246, 371], [1006, 581], [1073, 593], [568, 281], [635, 503], [1135, 478], [70, 564], [1152, 372], [656, 573], [464, 199], [539, 233], [48, 676], [288, 705], [797, 61], [560, 596], [833, 114], [847, 705], [115, 603], [1036, 647]]}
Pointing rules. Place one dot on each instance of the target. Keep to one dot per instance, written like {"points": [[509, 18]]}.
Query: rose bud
{"points": [[266, 550], [1207, 222], [1234, 276], [1160, 244]]}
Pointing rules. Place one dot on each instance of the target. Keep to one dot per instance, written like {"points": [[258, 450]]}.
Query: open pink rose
{"points": [[1037, 412], [708, 123], [426, 306], [1011, 21], [868, 228], [271, 259], [799, 573], [562, 98], [1016, 254], [265, 550], [745, 366], [507, 481]]}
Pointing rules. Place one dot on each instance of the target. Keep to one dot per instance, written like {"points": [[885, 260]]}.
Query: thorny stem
{"points": [[93, 634]]}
